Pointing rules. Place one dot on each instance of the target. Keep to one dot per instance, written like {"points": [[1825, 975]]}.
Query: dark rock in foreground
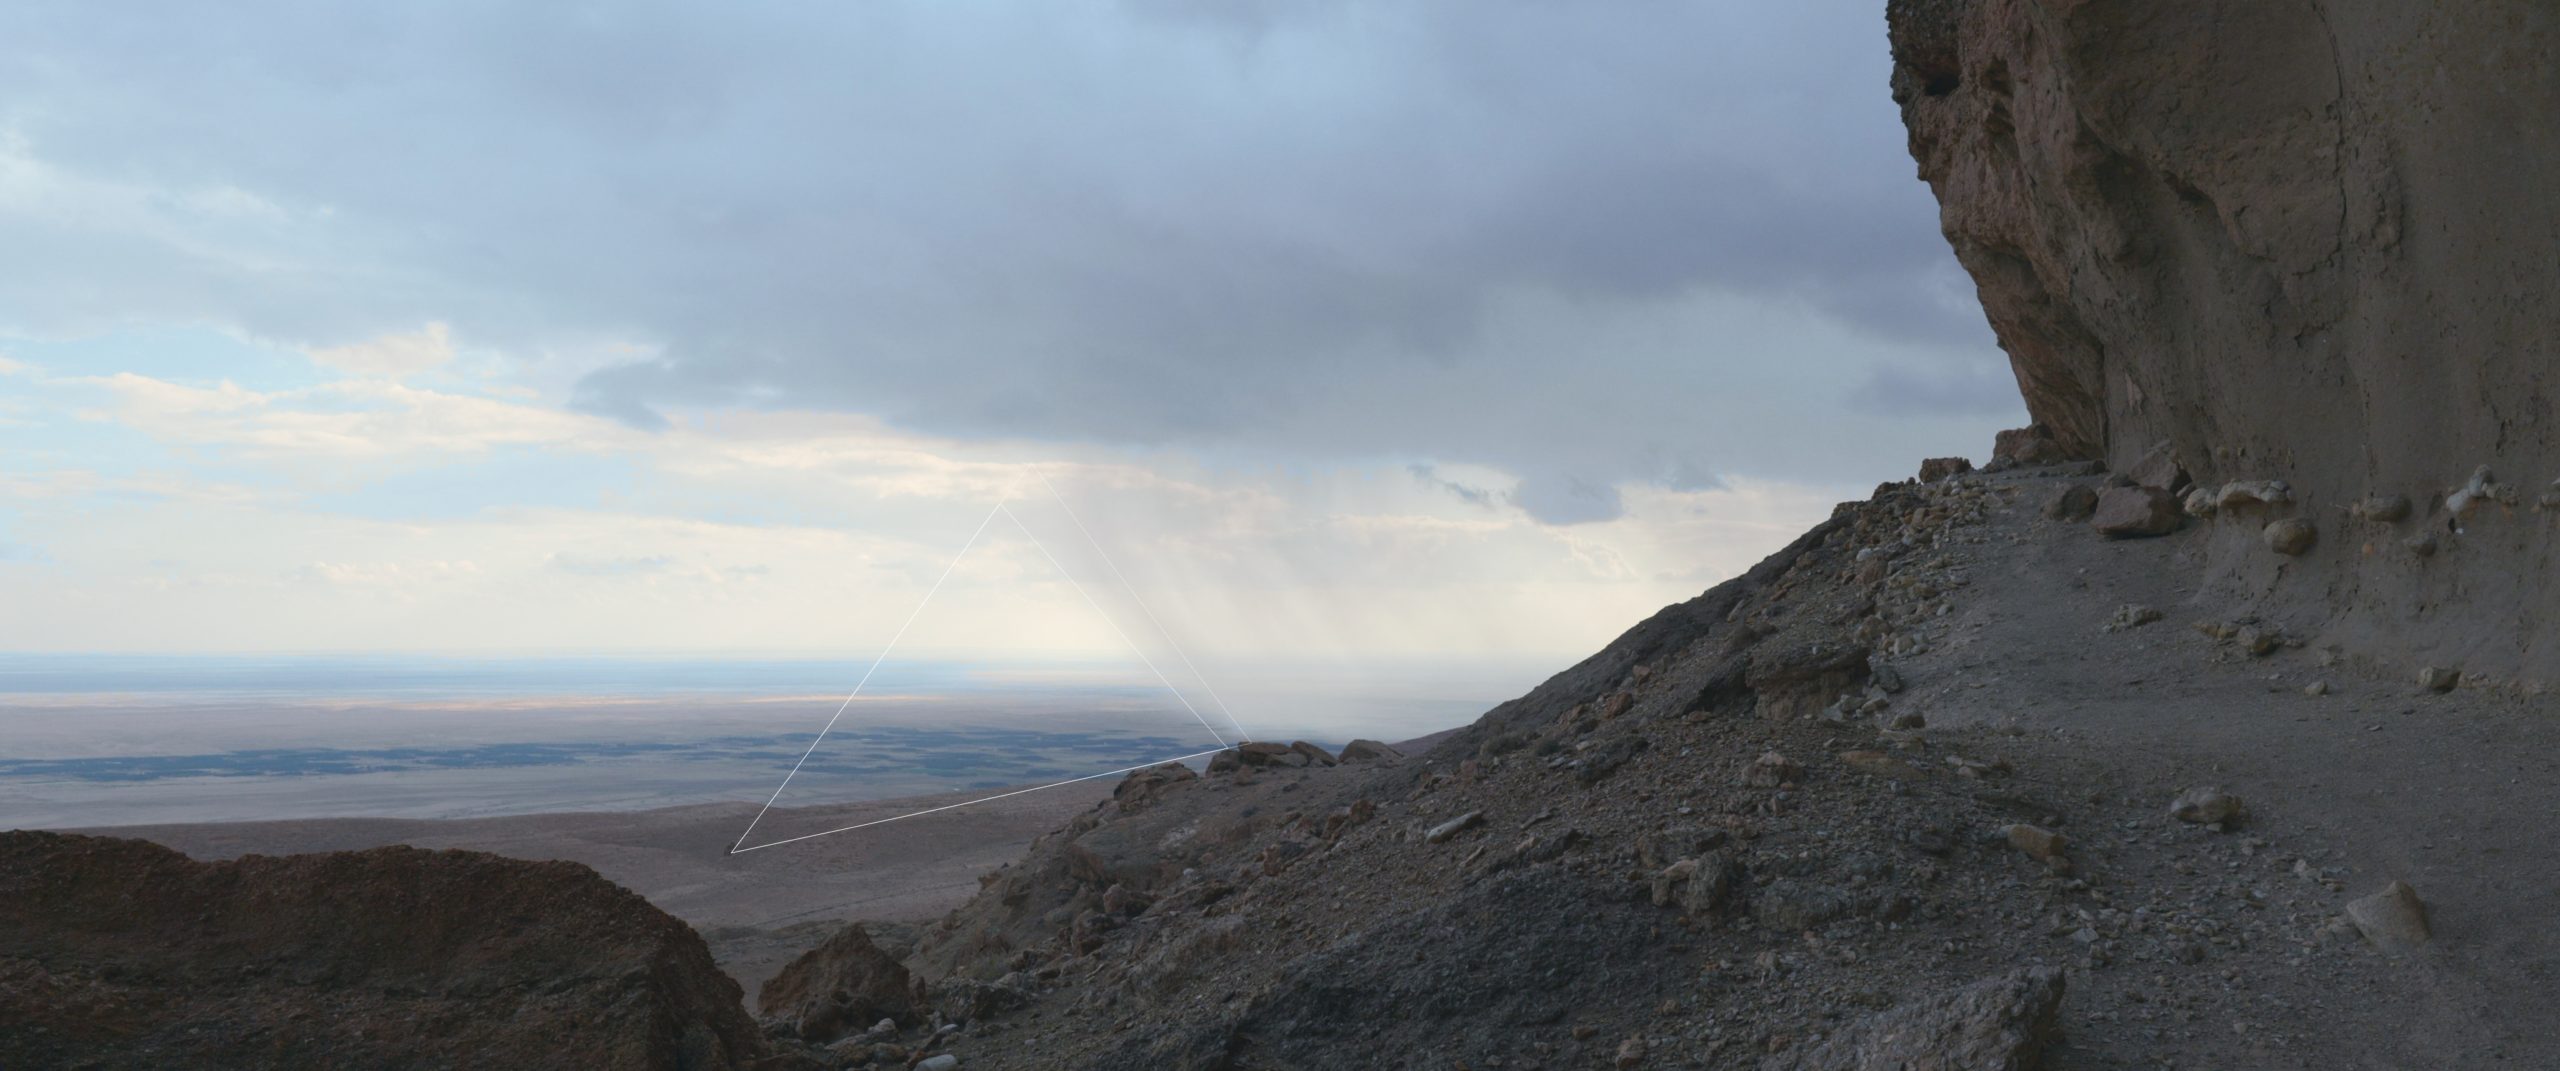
{"points": [[1997, 1024], [121, 953], [840, 987]]}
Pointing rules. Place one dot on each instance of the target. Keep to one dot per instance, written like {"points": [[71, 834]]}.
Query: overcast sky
{"points": [[1461, 328]]}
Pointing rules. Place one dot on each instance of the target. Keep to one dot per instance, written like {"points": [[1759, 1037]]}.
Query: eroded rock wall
{"points": [[2307, 240]]}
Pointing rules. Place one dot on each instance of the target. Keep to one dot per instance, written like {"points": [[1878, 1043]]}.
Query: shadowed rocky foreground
{"points": [[120, 953], [1957, 780]]}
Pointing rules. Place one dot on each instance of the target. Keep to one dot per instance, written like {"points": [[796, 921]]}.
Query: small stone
{"points": [[2044, 845], [2201, 502], [1879, 764], [2316, 689], [2245, 493], [2480, 488], [2258, 641], [2423, 544], [1631, 1051], [2206, 805], [2383, 509], [2439, 678], [2290, 536], [1584, 1031], [944, 1062], [1666, 885], [2395, 920], [2072, 503], [1453, 827], [2131, 615], [1884, 676], [1770, 770]]}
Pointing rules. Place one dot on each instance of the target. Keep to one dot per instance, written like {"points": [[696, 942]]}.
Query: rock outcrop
{"points": [[120, 953], [840, 987], [2306, 240]]}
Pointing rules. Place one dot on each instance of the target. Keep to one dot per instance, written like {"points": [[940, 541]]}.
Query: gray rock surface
{"points": [[1997, 1024]]}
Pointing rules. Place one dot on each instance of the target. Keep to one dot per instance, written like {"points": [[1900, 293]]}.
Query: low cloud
{"points": [[394, 356]]}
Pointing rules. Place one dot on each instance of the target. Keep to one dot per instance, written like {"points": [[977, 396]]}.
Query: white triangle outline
{"points": [[1003, 507]]}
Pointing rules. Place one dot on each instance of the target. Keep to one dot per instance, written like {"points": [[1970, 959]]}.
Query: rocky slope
{"points": [[1798, 822], [2297, 240], [119, 953]]}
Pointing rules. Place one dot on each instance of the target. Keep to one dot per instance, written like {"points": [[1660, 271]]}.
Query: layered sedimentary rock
{"points": [[2303, 240], [120, 953]]}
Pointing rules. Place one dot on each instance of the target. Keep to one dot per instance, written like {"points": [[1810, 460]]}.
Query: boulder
{"points": [[2002, 1023], [840, 987], [2135, 512], [1368, 751], [1935, 469], [2074, 502], [2159, 470], [1143, 787]]}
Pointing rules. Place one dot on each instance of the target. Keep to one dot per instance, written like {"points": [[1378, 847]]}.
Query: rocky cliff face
{"points": [[119, 953], [2302, 240]]}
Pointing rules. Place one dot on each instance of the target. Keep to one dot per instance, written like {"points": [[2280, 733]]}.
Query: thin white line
{"points": [[1142, 608], [989, 799], [875, 668], [1115, 627]]}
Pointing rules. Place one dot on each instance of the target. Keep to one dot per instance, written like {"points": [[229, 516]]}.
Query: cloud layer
{"points": [[1653, 244]]}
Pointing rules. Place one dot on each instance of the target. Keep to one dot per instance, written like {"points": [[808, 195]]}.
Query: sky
{"points": [[1474, 328]]}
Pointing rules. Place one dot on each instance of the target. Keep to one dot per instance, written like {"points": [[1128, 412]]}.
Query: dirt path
{"points": [[2457, 794]]}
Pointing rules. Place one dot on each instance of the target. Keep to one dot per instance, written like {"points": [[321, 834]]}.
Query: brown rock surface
{"points": [[2305, 239], [2134, 512], [840, 987], [124, 953]]}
